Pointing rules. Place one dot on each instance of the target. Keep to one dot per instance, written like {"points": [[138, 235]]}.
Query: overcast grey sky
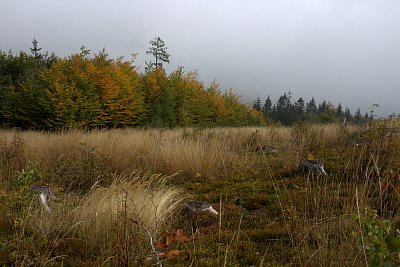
{"points": [[342, 51]]}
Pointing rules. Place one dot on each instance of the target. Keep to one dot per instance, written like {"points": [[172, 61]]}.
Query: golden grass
{"points": [[142, 197], [69, 155], [106, 177], [104, 219]]}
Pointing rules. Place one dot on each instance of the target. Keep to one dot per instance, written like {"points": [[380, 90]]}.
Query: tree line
{"points": [[46, 92], [287, 112]]}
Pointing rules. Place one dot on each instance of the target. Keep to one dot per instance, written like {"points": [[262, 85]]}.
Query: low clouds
{"points": [[342, 51]]}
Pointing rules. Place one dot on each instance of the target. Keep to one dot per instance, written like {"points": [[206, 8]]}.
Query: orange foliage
{"points": [[95, 92], [100, 92], [154, 82]]}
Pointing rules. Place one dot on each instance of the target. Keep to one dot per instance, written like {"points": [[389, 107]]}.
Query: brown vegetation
{"points": [[118, 188]]}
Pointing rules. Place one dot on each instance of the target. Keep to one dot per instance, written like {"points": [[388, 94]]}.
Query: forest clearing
{"points": [[116, 189], [199, 133]]}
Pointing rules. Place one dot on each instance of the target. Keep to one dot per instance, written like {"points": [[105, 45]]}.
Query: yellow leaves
{"points": [[101, 92], [155, 81], [94, 92], [122, 97], [257, 116]]}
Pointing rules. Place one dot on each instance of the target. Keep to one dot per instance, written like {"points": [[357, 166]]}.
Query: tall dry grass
{"points": [[92, 171], [103, 222], [319, 215], [78, 159], [142, 197]]}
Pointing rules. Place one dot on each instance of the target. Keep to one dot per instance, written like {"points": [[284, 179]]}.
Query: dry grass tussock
{"points": [[101, 222], [142, 197]]}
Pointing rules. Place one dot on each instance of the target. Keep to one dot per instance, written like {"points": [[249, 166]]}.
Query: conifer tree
{"points": [[357, 116], [257, 104], [347, 114], [311, 106], [300, 106], [159, 51], [35, 49], [267, 108], [339, 111]]}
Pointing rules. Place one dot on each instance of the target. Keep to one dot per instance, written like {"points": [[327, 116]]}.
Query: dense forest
{"points": [[286, 112], [45, 92]]}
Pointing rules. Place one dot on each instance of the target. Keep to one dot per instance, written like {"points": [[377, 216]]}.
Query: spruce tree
{"points": [[267, 108], [311, 106], [35, 49], [257, 104]]}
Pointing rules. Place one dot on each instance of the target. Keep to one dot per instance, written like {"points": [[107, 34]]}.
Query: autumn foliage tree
{"points": [[85, 90], [23, 102], [97, 92], [181, 99]]}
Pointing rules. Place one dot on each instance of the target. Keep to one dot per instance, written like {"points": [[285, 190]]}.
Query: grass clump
{"points": [[99, 227], [143, 197], [107, 214]]}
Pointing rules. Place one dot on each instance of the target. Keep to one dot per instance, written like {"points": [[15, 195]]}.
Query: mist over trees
{"points": [[41, 91]]}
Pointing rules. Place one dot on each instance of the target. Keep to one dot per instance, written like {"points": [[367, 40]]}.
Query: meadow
{"points": [[120, 195]]}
